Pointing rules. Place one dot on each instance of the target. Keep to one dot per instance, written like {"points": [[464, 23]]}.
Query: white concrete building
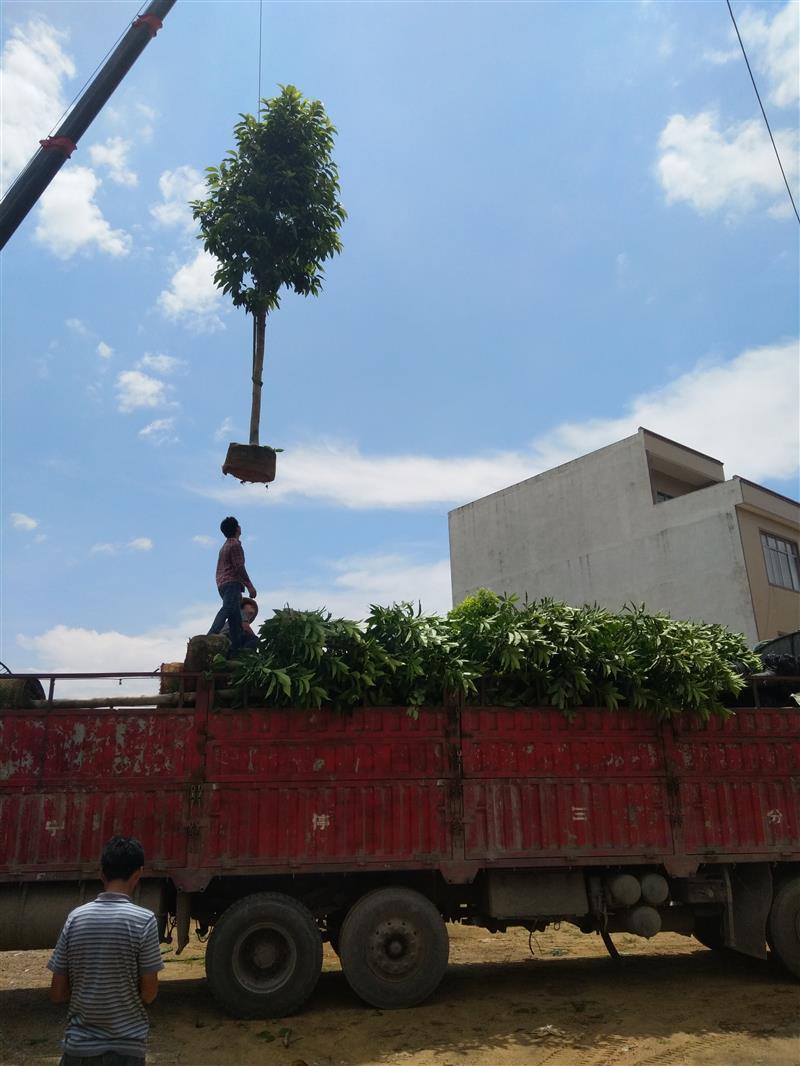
{"points": [[645, 520]]}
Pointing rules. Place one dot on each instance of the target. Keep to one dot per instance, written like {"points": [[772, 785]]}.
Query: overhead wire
{"points": [[763, 112]]}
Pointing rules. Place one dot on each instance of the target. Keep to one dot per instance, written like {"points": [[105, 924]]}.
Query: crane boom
{"points": [[54, 151]]}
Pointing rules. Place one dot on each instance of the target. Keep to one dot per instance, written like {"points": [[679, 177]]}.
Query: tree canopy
{"points": [[273, 215]]}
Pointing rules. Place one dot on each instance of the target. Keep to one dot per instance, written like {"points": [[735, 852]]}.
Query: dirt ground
{"points": [[562, 1002]]}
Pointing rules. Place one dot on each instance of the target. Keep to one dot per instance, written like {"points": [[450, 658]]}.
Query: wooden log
{"points": [[168, 683], [17, 692]]}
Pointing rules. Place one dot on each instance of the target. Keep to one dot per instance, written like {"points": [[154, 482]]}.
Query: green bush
{"points": [[492, 651]]}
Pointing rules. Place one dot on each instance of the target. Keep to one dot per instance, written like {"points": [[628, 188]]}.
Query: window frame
{"points": [[792, 553]]}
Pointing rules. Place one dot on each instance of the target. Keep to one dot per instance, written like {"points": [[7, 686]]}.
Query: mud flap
{"points": [[749, 900]]}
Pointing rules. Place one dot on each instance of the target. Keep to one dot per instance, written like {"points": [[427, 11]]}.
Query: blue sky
{"points": [[565, 221]]}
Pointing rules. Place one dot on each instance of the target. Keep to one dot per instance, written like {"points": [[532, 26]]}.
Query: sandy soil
{"points": [[669, 1002]]}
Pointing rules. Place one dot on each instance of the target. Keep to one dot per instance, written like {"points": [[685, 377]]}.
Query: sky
{"points": [[565, 221]]}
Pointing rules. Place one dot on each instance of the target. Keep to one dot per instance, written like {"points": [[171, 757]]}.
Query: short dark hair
{"points": [[121, 858], [247, 602], [228, 526]]}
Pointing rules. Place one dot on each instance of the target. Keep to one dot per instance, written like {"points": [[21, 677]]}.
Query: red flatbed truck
{"points": [[276, 829]]}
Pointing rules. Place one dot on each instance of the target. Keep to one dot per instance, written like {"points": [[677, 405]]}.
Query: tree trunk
{"points": [[259, 330]]}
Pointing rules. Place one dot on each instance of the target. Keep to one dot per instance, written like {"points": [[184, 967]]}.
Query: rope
{"points": [[260, 19]]}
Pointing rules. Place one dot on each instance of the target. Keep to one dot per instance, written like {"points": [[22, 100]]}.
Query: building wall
{"points": [[543, 523], [777, 610], [589, 532]]}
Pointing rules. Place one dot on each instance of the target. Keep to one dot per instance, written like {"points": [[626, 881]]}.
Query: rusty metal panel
{"points": [[119, 744], [302, 788], [739, 783], [79, 777], [21, 748], [537, 785]]}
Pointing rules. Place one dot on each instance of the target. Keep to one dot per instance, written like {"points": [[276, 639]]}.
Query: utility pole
{"points": [[56, 150]]}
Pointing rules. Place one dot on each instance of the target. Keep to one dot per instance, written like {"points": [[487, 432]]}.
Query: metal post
{"points": [[55, 150]]}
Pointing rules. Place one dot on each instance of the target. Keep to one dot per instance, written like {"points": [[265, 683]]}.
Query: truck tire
{"points": [[394, 948], [784, 925], [264, 956], [708, 930]]}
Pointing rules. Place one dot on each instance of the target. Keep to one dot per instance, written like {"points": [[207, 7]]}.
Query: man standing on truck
{"points": [[232, 578], [105, 965]]}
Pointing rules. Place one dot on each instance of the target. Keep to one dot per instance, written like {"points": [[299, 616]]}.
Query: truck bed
{"points": [[213, 792]]}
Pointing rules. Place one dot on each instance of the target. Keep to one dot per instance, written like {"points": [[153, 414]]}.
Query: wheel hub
{"points": [[264, 959], [394, 949]]}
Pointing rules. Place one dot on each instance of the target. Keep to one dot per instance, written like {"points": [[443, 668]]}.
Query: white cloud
{"points": [[34, 67], [23, 521], [177, 188], [104, 350], [224, 429], [70, 221], [103, 549], [720, 56], [728, 409], [161, 431], [113, 155], [192, 296], [72, 649], [138, 544], [203, 539], [40, 538], [734, 169], [362, 580], [774, 47], [160, 364], [135, 389], [77, 326], [141, 544]]}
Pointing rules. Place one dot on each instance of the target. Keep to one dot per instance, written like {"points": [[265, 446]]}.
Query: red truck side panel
{"points": [[71, 779], [739, 783], [539, 786], [299, 788]]}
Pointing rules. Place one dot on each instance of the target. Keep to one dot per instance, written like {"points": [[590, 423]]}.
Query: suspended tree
{"points": [[272, 216]]}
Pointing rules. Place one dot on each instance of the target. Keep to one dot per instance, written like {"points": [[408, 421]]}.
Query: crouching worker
{"points": [[249, 612], [105, 965]]}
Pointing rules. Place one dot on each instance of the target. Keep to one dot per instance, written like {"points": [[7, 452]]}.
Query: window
{"points": [[783, 561]]}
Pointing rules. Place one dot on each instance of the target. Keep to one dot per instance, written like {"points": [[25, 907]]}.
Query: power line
{"points": [[763, 112]]}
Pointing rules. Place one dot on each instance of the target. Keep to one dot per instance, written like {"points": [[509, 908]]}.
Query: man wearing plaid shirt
{"points": [[232, 579]]}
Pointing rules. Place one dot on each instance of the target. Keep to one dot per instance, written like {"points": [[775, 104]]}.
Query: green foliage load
{"points": [[492, 651]]}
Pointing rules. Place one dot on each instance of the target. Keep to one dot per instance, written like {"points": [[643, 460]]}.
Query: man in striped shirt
{"points": [[105, 965], [232, 578]]}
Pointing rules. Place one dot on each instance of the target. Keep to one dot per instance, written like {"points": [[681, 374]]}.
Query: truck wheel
{"points": [[394, 947], [264, 956], [708, 930], [784, 925]]}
